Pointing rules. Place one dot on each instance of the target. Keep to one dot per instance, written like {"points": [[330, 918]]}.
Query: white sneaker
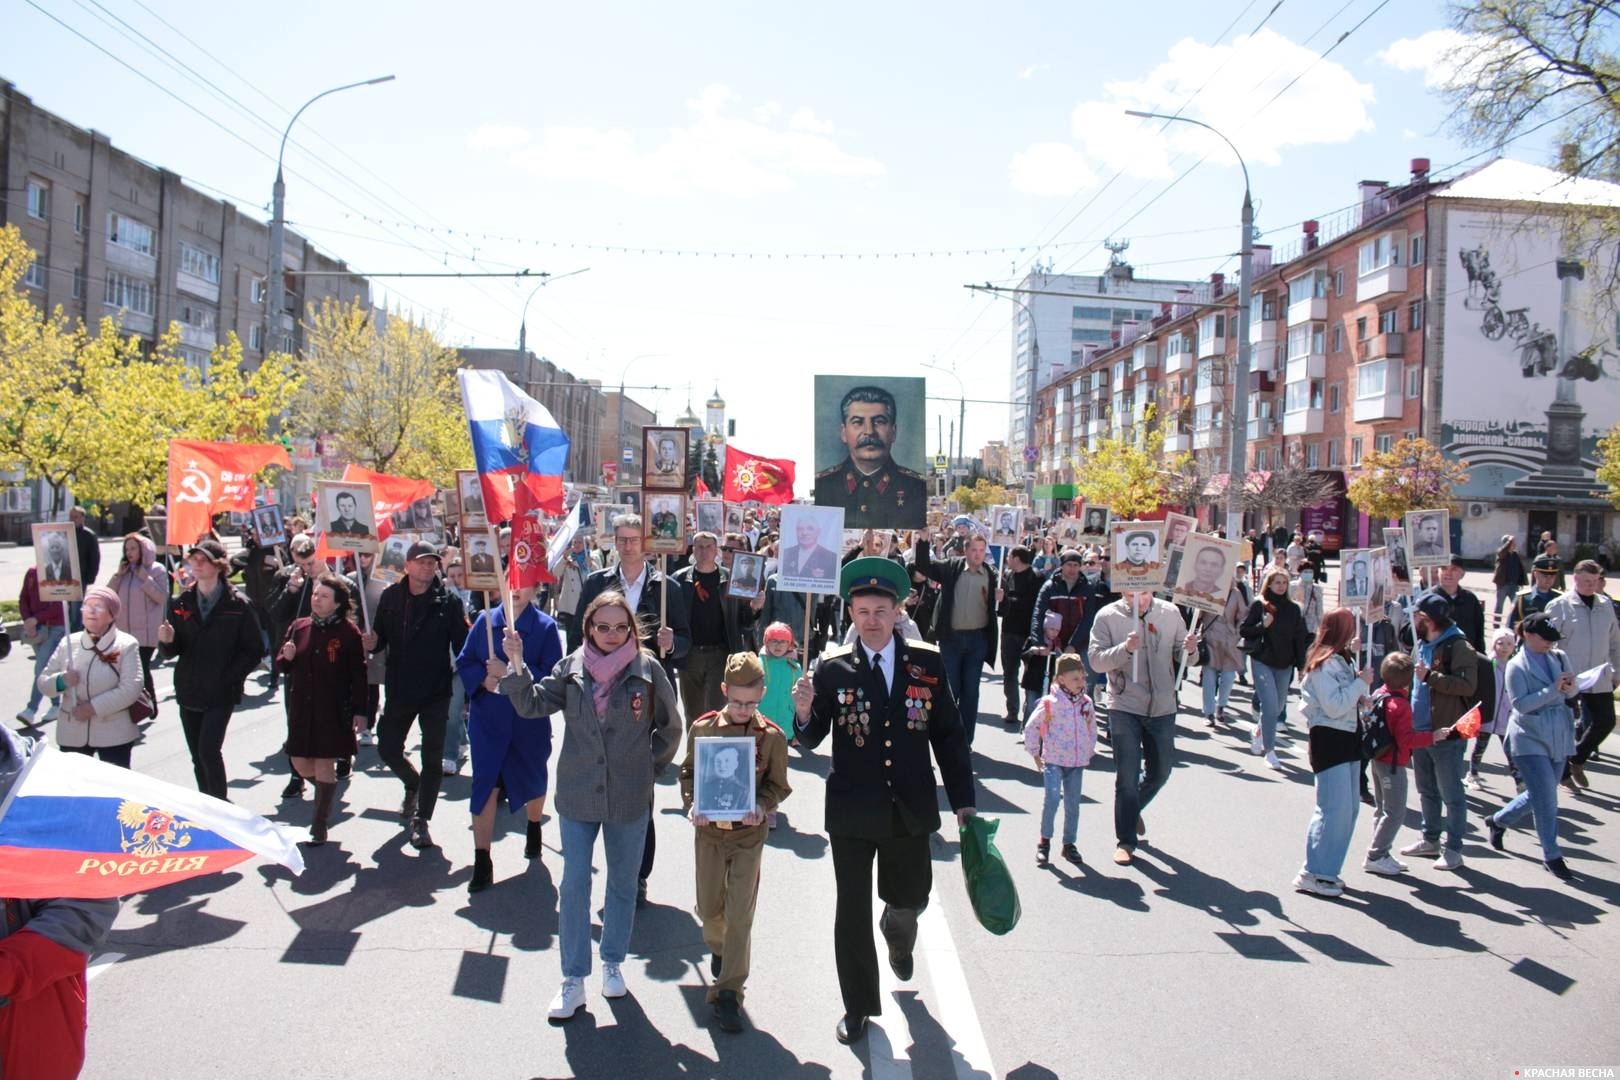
{"points": [[26, 718], [367, 738], [613, 981], [570, 996], [1421, 849], [52, 713], [1389, 866], [1257, 745], [1309, 883], [450, 766], [1271, 759], [1449, 860]]}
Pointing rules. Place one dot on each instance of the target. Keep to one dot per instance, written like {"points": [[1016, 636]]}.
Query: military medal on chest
{"points": [[855, 714], [919, 701]]}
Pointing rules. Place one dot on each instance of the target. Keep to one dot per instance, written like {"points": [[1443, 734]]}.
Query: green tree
{"points": [[1608, 472], [1126, 474], [981, 495], [1411, 475]]}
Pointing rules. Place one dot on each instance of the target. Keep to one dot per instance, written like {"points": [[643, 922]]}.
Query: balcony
{"points": [[197, 337], [1211, 346], [1264, 357], [1378, 386], [1178, 443], [1179, 359], [1304, 311], [1208, 438], [1209, 394], [1095, 427], [1381, 346], [1262, 330], [1145, 356], [1262, 427], [1310, 366], [1380, 282], [1303, 422], [1262, 382]]}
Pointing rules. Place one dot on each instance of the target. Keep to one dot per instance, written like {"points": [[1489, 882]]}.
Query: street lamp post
{"points": [[278, 225], [961, 421], [1237, 419], [618, 438]]}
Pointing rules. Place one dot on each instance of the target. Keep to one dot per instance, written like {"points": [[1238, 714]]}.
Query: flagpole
{"points": [[489, 626], [506, 592], [663, 598], [808, 597], [361, 577]]}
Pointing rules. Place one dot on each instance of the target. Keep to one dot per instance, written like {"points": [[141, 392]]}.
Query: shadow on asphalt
{"points": [[932, 1050], [1186, 884]]}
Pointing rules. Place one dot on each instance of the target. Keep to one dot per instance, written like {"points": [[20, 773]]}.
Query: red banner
{"points": [[757, 479], [527, 564], [206, 478]]}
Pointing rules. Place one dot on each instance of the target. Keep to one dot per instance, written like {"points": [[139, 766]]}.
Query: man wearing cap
{"points": [[1542, 591], [1021, 587], [1445, 678], [1134, 642], [886, 702], [871, 487], [964, 622], [728, 852], [1077, 592], [1590, 634], [1467, 609], [422, 625]]}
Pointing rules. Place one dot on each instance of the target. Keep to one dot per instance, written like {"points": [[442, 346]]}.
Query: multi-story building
{"points": [[620, 436], [578, 405], [1064, 318], [1420, 309]]}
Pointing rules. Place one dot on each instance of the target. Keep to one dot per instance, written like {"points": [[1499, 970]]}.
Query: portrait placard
{"points": [[390, 566], [481, 561], [1177, 528], [1068, 532], [869, 449], [664, 452], [1209, 567], [1138, 555], [157, 527], [723, 771], [1398, 574], [470, 491], [343, 514], [56, 560], [1428, 538], [631, 498], [1356, 582], [1094, 525], [663, 526], [1006, 525], [747, 575], [268, 526], [735, 519], [807, 559], [711, 516]]}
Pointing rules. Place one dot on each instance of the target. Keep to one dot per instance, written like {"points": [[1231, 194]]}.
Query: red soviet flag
{"points": [[208, 477], [757, 479], [527, 565]]}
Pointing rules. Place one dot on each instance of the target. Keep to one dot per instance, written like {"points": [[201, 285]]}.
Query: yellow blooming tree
{"points": [[1608, 473], [1127, 474], [982, 495], [1411, 475]]}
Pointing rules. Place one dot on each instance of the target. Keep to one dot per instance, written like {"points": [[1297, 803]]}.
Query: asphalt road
{"points": [[1197, 961]]}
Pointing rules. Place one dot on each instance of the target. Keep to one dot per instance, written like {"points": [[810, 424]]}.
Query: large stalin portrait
{"points": [[874, 490]]}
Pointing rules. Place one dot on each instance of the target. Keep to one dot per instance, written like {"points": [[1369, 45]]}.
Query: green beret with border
{"points": [[874, 574]]}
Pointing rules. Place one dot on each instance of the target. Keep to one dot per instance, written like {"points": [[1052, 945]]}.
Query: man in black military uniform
{"points": [[1542, 591], [872, 489], [886, 701]]}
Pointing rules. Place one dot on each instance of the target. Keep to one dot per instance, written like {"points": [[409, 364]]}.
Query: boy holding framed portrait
{"points": [[733, 775]]}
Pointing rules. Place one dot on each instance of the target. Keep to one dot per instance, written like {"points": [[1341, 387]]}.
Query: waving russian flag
{"points": [[515, 441], [76, 826]]}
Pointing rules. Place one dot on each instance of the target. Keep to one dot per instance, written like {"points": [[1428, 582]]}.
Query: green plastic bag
{"points": [[989, 883]]}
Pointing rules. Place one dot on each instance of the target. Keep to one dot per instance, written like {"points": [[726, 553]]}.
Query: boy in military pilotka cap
{"points": [[728, 852]]}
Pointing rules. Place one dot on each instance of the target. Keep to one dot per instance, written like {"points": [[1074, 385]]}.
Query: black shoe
{"points": [[1072, 854], [531, 846], [1497, 831], [407, 805], [1209, 721], [899, 926], [420, 837], [641, 893], [1010, 721], [1367, 797], [727, 1012], [1559, 869], [345, 765], [483, 872], [714, 966], [1043, 853], [294, 788], [851, 1028]]}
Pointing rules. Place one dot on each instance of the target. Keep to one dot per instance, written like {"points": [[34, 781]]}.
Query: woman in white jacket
{"points": [[99, 685], [1333, 691]]}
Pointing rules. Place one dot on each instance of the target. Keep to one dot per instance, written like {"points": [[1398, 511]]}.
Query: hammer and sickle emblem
{"points": [[195, 487]]}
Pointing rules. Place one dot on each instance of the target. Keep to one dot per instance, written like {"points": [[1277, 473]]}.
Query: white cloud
{"points": [[497, 137], [1448, 59], [1029, 71], [722, 149], [1233, 84], [1050, 168]]}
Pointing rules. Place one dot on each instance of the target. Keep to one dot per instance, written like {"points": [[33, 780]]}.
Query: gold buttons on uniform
{"points": [[888, 742], [887, 763]]}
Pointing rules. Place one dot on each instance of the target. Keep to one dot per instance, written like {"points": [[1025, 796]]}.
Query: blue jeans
{"points": [[1062, 781], [455, 729], [1217, 689], [622, 843], [963, 653], [1138, 740], [1438, 771], [53, 638], [1327, 838], [1271, 700], [1094, 678], [1540, 797]]}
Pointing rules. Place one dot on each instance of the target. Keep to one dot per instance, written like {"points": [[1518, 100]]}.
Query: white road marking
{"points": [[101, 963], [953, 999]]}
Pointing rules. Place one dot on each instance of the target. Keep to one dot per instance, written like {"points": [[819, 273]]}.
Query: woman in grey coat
{"points": [[620, 728]]}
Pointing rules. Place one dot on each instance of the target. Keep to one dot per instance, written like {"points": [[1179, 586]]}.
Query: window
{"points": [[1355, 451], [1591, 528], [197, 360], [258, 292], [1338, 283], [35, 275], [1316, 393], [1312, 286], [39, 200], [1209, 328], [1333, 398], [1119, 371], [198, 316], [129, 233], [1418, 251], [130, 293], [1414, 382], [1262, 459], [1313, 456], [1205, 417], [1298, 395], [1305, 339], [1371, 379], [1388, 321], [1333, 454], [1380, 252], [1095, 313], [199, 263], [1414, 315], [78, 218], [256, 338], [1338, 337], [78, 283], [1092, 337], [287, 343], [1383, 443], [1361, 328]]}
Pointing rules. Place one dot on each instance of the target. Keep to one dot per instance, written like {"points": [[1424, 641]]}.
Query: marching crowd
{"points": [[639, 660]]}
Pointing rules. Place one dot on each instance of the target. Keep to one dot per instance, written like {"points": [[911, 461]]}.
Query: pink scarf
{"points": [[605, 669]]}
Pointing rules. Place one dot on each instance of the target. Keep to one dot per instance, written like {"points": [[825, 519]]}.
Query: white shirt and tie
{"points": [[882, 662]]}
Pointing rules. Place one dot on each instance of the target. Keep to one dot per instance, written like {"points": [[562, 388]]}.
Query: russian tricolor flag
{"points": [[76, 826], [515, 441]]}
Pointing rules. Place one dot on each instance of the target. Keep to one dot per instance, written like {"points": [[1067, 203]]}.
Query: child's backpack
{"points": [[1376, 737]]}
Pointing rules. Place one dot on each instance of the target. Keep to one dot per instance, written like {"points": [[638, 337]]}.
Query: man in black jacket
{"points": [[421, 624], [1020, 587], [212, 631], [964, 620], [715, 622], [886, 704], [1076, 592], [1467, 610]]}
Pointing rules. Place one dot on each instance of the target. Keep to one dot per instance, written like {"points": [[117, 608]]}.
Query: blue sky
{"points": [[873, 128]]}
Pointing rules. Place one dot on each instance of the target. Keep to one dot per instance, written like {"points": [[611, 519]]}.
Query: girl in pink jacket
{"points": [[1061, 735]]}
